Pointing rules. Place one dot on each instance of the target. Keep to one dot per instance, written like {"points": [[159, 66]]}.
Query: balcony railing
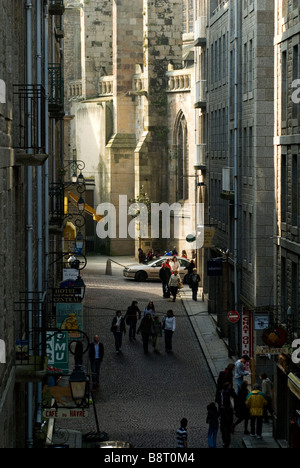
{"points": [[106, 86], [178, 81], [30, 331], [56, 91], [29, 110]]}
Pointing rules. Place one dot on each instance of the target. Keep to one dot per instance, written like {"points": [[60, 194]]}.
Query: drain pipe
{"points": [[39, 204], [29, 226], [236, 165]]}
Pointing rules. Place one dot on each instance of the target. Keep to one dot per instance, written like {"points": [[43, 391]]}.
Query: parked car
{"points": [[150, 271]]}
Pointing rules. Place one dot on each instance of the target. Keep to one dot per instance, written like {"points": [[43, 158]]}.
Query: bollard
{"points": [[108, 268]]}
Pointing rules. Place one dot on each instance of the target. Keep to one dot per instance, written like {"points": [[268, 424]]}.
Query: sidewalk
{"points": [[216, 354]]}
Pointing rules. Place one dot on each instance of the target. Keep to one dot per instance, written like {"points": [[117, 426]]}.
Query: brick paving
{"points": [[143, 397]]}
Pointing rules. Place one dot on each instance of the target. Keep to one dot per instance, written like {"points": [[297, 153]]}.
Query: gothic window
{"points": [[182, 159], [188, 16]]}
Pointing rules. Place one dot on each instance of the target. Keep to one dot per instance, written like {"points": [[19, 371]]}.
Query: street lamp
{"points": [[81, 204], [79, 381]]}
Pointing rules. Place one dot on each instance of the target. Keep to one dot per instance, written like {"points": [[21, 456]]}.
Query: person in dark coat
{"points": [[241, 410], [146, 328], [118, 328], [164, 275], [132, 315], [194, 280], [213, 425], [96, 354]]}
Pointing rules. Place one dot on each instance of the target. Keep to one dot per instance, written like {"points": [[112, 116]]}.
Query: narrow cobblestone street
{"points": [[142, 398]]}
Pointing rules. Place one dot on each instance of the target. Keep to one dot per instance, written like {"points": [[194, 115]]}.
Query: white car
{"points": [[150, 271]]}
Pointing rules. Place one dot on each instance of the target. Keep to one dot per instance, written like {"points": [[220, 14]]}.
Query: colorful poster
{"points": [[69, 318]]}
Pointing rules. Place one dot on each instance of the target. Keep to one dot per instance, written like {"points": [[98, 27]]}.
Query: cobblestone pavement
{"points": [[142, 398]]}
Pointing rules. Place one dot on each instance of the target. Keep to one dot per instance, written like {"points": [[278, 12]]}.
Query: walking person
{"points": [[174, 264], [226, 413], [169, 325], [164, 275], [212, 420], [118, 328], [267, 389], [256, 402], [181, 434], [240, 372], [132, 315], [145, 328], [174, 284], [150, 309], [96, 354], [156, 333], [194, 280], [241, 410]]}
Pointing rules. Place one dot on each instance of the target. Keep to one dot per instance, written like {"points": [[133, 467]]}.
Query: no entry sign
{"points": [[233, 316]]}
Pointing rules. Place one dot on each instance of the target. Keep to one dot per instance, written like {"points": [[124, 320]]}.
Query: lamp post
{"points": [[79, 386]]}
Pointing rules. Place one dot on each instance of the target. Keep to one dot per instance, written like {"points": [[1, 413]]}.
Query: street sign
{"points": [[233, 316]]}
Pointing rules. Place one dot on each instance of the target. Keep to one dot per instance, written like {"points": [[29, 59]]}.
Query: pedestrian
{"points": [[174, 284], [169, 325], [241, 410], [256, 402], [156, 333], [212, 420], [96, 354], [132, 315], [141, 255], [194, 280], [164, 275], [239, 371], [226, 413], [145, 328], [150, 309], [267, 389], [181, 434], [174, 264], [118, 328]]}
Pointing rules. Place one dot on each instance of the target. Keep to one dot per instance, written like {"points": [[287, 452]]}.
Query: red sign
{"points": [[233, 316]]}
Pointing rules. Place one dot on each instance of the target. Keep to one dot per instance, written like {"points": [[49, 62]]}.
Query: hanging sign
{"points": [[57, 352]]}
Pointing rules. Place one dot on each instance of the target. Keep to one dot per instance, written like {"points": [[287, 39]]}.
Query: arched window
{"points": [[188, 16], [182, 158]]}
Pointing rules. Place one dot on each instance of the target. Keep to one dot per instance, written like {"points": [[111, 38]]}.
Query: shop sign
{"points": [[57, 352], [246, 334], [67, 295], [65, 413], [69, 318], [265, 350], [275, 337], [215, 267]]}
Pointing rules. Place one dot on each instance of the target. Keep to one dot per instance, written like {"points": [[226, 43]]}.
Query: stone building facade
{"points": [[30, 150], [286, 233], [143, 112]]}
